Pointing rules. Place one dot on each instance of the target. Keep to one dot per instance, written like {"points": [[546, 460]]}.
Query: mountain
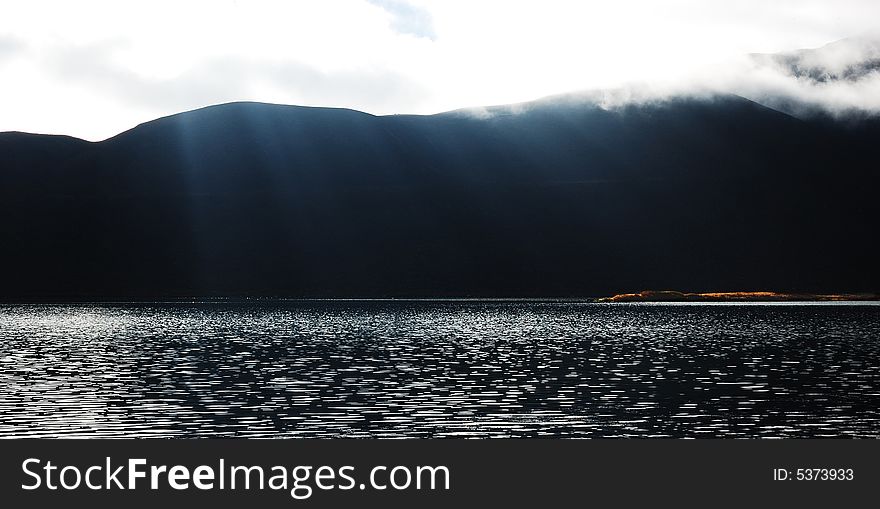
{"points": [[558, 197], [851, 59], [840, 79]]}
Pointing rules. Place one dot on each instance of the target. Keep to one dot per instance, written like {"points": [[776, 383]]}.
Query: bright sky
{"points": [[93, 68]]}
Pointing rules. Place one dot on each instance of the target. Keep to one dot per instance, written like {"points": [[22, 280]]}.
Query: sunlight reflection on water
{"points": [[438, 369]]}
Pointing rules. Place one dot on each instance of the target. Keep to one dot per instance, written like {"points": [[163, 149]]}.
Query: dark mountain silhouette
{"points": [[552, 198]]}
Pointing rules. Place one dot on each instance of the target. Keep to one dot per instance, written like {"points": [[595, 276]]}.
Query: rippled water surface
{"points": [[436, 369]]}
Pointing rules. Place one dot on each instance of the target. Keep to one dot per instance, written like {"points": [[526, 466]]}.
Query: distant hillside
{"points": [[553, 198], [840, 79]]}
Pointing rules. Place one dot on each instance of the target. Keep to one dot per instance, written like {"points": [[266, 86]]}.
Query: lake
{"points": [[440, 369]]}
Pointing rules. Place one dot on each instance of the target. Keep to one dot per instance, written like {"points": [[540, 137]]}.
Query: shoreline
{"points": [[645, 296], [754, 296]]}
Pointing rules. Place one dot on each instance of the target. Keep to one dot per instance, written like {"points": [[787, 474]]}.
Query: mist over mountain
{"points": [[851, 60], [551, 198], [840, 79]]}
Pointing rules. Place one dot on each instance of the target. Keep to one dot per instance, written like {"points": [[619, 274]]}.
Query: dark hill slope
{"points": [[549, 198]]}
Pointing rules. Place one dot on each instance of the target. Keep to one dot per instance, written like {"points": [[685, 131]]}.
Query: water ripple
{"points": [[439, 369]]}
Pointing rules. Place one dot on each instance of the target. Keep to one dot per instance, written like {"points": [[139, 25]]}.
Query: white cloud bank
{"points": [[96, 67], [840, 77]]}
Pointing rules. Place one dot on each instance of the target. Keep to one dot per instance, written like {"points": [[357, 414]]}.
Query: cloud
{"points": [[95, 67], [9, 48], [840, 78], [229, 78], [407, 18], [850, 59]]}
